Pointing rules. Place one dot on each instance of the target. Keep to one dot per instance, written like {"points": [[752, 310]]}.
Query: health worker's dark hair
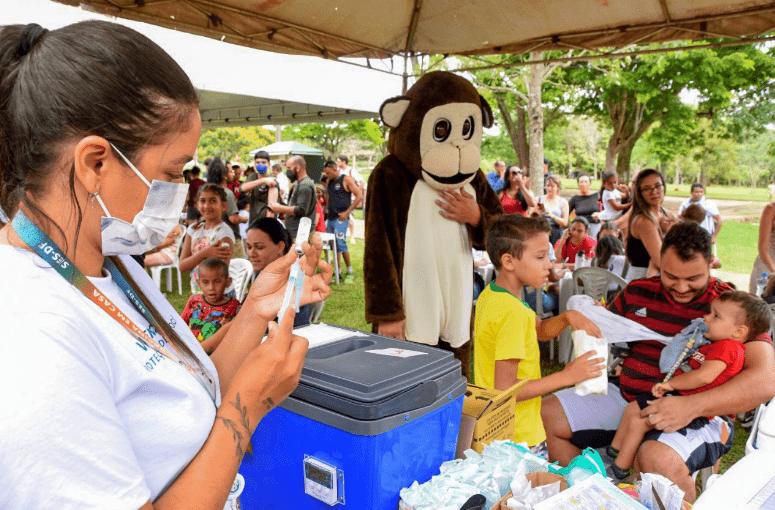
{"points": [[89, 78]]}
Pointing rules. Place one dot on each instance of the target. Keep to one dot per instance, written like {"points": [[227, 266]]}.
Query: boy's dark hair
{"points": [[694, 213], [277, 167], [216, 171], [217, 264], [212, 188], [343, 158], [508, 234], [688, 239], [697, 185], [195, 171], [329, 164], [262, 155], [757, 313], [243, 201]]}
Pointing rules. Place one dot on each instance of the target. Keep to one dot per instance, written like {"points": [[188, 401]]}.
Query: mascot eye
{"points": [[468, 128], [441, 130]]}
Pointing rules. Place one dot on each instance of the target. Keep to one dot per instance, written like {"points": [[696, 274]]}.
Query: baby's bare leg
{"points": [[632, 430]]}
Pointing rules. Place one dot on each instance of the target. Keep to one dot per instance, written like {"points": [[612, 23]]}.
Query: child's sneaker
{"points": [[611, 451], [349, 278], [620, 473]]}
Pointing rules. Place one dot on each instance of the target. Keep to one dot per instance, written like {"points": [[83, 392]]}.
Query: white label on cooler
{"points": [[398, 353]]}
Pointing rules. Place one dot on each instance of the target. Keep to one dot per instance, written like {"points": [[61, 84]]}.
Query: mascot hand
{"points": [[392, 329], [459, 206]]}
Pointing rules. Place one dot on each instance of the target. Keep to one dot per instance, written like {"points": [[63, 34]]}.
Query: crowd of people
{"points": [[125, 403], [667, 259]]}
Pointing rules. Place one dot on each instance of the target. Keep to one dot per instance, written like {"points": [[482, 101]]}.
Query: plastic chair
{"points": [[174, 266], [315, 309], [595, 282], [240, 271], [330, 240], [540, 313]]}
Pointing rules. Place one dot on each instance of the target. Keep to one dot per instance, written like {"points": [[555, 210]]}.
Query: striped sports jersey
{"points": [[648, 303]]}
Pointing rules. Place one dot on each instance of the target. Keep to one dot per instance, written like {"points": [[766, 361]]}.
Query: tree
{"points": [[633, 93], [227, 143], [330, 136], [520, 90]]}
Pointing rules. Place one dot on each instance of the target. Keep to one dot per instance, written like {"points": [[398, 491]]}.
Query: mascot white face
{"points": [[450, 138]]}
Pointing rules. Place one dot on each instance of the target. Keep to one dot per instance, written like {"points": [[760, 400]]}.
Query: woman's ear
{"points": [[93, 160]]}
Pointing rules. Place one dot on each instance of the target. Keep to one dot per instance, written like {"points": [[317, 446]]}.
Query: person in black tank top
{"points": [[648, 223], [340, 205]]}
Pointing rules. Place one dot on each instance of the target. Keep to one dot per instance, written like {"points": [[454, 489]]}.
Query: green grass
{"points": [[743, 193], [345, 306], [737, 246]]}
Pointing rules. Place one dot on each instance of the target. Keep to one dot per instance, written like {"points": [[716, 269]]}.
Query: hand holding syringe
{"points": [[296, 278]]}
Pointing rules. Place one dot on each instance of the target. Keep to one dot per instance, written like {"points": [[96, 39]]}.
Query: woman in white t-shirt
{"points": [[110, 401]]}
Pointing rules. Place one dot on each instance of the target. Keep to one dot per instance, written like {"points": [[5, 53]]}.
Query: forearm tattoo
{"points": [[241, 429]]}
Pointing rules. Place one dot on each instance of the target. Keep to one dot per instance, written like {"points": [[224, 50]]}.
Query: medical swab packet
{"points": [[296, 278]]}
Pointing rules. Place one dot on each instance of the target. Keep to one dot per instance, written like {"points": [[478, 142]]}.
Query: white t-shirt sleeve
{"points": [[63, 442], [712, 208], [357, 177], [223, 231]]}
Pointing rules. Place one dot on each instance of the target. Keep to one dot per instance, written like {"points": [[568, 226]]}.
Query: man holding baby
{"points": [[666, 304]]}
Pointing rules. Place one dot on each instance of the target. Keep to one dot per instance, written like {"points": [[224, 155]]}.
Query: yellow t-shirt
{"points": [[505, 328]]}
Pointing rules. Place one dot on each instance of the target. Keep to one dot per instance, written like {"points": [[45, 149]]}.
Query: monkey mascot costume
{"points": [[428, 203]]}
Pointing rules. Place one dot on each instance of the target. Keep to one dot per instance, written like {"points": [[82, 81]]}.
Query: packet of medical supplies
{"points": [[583, 343]]}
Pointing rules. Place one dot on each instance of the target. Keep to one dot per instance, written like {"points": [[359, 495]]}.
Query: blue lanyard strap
{"points": [[44, 247]]}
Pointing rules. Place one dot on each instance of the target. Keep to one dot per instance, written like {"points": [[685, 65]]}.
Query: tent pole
{"points": [[405, 78]]}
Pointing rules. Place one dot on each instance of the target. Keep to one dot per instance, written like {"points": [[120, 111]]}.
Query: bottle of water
{"points": [[580, 259], [761, 284]]}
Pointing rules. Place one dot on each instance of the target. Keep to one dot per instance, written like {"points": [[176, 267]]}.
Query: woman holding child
{"points": [[114, 404]]}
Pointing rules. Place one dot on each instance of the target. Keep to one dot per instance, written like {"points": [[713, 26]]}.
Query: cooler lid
{"points": [[367, 376]]}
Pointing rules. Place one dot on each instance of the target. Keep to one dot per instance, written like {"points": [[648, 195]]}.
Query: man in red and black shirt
{"points": [[683, 440]]}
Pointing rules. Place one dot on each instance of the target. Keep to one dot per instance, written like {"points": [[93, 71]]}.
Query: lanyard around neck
{"points": [[44, 247]]}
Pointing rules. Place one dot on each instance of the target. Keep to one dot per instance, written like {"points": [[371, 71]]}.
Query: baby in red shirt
{"points": [[735, 317]]}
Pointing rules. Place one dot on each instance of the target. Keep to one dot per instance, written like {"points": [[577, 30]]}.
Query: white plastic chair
{"points": [[240, 271], [174, 266], [596, 282], [540, 313], [330, 240]]}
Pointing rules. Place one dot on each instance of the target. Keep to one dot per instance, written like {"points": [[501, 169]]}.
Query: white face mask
{"points": [[151, 225]]}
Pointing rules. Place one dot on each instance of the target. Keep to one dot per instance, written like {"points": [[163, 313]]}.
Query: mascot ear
{"points": [[392, 110], [487, 117]]}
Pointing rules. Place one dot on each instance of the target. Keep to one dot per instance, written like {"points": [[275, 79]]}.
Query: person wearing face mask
{"points": [[262, 189], [112, 402], [301, 202]]}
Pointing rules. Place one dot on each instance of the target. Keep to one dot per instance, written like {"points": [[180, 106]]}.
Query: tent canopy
{"points": [[222, 109], [288, 148], [384, 28]]}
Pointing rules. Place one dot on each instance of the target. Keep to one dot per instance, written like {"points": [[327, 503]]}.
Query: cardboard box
{"points": [[487, 415], [536, 480]]}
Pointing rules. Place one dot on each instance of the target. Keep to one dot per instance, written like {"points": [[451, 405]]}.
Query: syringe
{"points": [[296, 278]]}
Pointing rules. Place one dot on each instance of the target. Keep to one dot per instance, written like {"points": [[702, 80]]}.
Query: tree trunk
{"points": [[536, 115], [523, 150], [623, 158], [508, 122], [611, 152]]}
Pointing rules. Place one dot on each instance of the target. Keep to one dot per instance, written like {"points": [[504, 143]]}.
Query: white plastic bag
{"points": [[582, 343]]}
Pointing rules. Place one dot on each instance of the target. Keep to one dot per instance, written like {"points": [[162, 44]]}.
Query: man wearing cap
{"points": [[261, 188], [713, 221]]}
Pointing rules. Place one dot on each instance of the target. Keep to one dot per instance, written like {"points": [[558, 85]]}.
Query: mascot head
{"points": [[436, 129]]}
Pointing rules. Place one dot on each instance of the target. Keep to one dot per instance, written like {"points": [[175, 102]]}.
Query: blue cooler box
{"points": [[370, 416]]}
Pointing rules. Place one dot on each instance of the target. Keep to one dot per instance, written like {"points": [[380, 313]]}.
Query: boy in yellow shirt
{"points": [[507, 331]]}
